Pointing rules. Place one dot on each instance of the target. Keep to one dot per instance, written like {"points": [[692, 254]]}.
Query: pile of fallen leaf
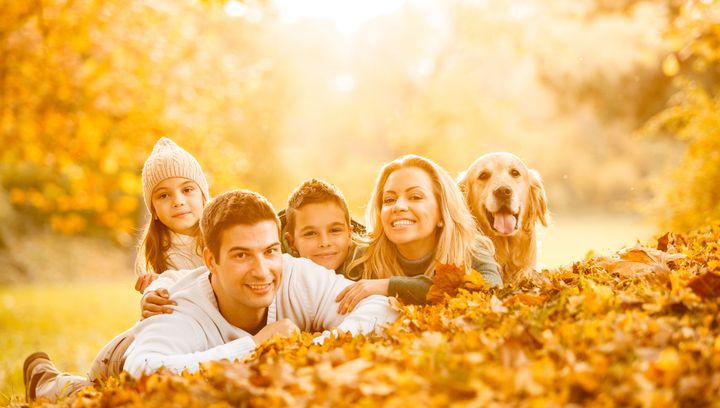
{"points": [[640, 328]]}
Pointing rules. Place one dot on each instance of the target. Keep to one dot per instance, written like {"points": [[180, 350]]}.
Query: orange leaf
{"points": [[447, 280], [706, 285]]}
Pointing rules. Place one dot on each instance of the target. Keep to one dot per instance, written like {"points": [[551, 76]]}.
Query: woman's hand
{"points": [[156, 302], [353, 294], [144, 281]]}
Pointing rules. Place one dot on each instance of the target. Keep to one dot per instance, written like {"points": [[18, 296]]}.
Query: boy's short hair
{"points": [[313, 191], [235, 207]]}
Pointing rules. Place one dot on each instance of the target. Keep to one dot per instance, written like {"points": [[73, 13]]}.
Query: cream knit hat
{"points": [[169, 160]]}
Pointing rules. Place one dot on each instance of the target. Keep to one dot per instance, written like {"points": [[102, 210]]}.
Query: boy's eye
{"points": [[309, 234], [188, 189], [336, 230], [162, 196], [240, 255]]}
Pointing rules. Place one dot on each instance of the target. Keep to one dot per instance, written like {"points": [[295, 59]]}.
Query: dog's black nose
{"points": [[502, 192]]}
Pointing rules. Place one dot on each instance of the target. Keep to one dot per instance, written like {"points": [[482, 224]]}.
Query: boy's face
{"points": [[321, 234]]}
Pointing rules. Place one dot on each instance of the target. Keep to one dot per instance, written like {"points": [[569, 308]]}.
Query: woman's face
{"points": [[410, 213]]}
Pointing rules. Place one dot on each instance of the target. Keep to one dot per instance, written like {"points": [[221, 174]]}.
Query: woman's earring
{"points": [[441, 224]]}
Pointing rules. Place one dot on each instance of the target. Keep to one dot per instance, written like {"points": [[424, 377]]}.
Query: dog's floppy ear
{"points": [[538, 198]]}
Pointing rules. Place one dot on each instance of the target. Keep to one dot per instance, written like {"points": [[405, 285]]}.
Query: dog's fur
{"points": [[501, 185]]}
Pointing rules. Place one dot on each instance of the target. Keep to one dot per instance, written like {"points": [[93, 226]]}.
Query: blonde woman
{"points": [[416, 215]]}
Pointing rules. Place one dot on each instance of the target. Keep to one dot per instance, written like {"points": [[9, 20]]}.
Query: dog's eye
{"points": [[484, 175], [514, 173]]}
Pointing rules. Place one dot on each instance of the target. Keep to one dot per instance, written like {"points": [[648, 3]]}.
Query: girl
{"points": [[416, 215], [175, 192]]}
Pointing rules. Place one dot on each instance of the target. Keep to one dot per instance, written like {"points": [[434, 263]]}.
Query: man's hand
{"points": [[156, 302], [282, 327], [143, 281], [353, 294]]}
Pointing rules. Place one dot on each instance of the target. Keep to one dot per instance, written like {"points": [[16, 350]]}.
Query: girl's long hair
{"points": [[458, 243], [153, 250]]}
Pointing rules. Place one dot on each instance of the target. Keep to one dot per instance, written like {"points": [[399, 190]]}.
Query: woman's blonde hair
{"points": [[458, 243]]}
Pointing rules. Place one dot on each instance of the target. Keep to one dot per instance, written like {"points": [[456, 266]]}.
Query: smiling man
{"points": [[247, 292]]}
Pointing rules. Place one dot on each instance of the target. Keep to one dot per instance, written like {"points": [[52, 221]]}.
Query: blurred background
{"points": [[614, 102]]}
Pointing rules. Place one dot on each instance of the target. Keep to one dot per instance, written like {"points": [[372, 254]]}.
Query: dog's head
{"points": [[504, 195]]}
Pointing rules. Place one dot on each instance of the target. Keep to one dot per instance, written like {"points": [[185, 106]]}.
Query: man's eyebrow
{"points": [[245, 249]]}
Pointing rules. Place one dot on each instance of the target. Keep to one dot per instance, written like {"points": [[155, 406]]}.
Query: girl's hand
{"points": [[156, 302], [144, 281], [353, 294]]}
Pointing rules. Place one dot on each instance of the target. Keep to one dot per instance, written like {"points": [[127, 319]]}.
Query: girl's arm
{"points": [[156, 298]]}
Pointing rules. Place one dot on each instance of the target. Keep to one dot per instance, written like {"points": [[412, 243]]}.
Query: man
{"points": [[248, 292]]}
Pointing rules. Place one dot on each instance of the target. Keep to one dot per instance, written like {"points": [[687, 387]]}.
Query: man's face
{"points": [[248, 271]]}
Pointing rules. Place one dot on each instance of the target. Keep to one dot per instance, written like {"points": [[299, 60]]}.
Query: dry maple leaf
{"points": [[639, 261], [447, 280], [706, 285]]}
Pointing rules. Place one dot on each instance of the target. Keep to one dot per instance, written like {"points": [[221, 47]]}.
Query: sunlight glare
{"points": [[344, 83], [348, 15], [234, 8]]}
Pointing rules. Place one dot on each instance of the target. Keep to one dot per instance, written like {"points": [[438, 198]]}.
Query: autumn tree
{"points": [[87, 87], [690, 196]]}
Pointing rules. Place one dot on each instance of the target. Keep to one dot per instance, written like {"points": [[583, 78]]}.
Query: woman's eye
{"points": [[416, 197], [514, 173], [389, 200], [188, 189], [484, 175], [336, 230], [309, 234], [162, 196]]}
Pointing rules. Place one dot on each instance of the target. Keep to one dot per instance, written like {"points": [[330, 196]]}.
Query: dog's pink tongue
{"points": [[504, 223]]}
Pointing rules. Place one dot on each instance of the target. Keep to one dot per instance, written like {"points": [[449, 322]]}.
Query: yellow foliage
{"points": [[581, 338]]}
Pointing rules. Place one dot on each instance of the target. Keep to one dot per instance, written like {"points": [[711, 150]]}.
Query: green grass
{"points": [[570, 236], [69, 322]]}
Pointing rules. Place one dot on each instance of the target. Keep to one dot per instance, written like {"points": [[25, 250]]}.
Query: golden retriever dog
{"points": [[508, 200]]}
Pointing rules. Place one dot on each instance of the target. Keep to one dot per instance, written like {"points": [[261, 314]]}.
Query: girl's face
{"points": [[178, 203], [321, 234], [410, 213]]}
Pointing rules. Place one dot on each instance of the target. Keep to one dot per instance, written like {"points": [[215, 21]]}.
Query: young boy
{"points": [[317, 225]]}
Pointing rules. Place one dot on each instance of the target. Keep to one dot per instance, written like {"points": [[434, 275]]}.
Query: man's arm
{"points": [[177, 343]]}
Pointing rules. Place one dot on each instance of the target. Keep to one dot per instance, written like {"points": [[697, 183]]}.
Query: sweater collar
{"points": [[414, 267]]}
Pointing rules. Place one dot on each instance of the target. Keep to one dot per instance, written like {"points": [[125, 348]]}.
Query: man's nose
{"points": [[502, 192], [261, 267]]}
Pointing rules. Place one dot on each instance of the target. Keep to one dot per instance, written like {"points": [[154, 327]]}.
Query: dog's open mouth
{"points": [[503, 221]]}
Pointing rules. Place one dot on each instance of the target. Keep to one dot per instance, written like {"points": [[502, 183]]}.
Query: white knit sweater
{"points": [[196, 332]]}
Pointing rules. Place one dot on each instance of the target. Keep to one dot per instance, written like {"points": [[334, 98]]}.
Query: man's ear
{"points": [[290, 241], [209, 259]]}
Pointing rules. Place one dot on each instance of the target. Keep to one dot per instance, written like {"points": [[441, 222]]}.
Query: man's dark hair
{"points": [[235, 207]]}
